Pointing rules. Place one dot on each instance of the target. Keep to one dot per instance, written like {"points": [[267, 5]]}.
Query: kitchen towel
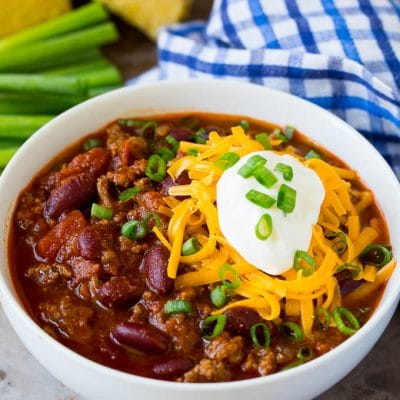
{"points": [[343, 55]]}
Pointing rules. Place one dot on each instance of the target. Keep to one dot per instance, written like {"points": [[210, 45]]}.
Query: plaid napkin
{"points": [[340, 54]]}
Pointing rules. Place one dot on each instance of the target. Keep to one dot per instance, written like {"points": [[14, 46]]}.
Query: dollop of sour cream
{"points": [[238, 216]]}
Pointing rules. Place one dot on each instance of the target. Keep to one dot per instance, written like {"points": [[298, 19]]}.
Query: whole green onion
{"points": [[134, 230], [264, 227], [128, 194], [266, 335], [21, 126], [226, 161], [101, 212], [218, 323], [233, 283], [173, 307], [260, 199], [300, 256], [292, 331], [345, 321], [265, 177], [191, 246], [286, 198], [156, 168]]}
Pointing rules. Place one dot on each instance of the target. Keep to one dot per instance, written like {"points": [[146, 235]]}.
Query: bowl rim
{"points": [[8, 294]]}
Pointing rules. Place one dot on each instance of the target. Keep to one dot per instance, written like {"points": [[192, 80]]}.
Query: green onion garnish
{"points": [[345, 321], [173, 142], [305, 353], [200, 136], [312, 154], [193, 152], [128, 193], [232, 284], [252, 163], [286, 198], [244, 124], [147, 125], [301, 255], [293, 365], [130, 123], [265, 334], [288, 131], [376, 254], [279, 135], [263, 139], [322, 318], [260, 199], [165, 153], [156, 168], [265, 177], [355, 269], [264, 227], [292, 331], [91, 144], [173, 307], [285, 170], [101, 212], [218, 296], [152, 215], [226, 161], [190, 247], [339, 242], [218, 321], [134, 230]]}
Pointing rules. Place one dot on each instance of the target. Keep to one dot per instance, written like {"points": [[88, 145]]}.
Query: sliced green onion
{"points": [[355, 269], [293, 365], [322, 323], [265, 177], [308, 269], [130, 123], [191, 246], [288, 131], [226, 161], [263, 139], [264, 227], [376, 254], [173, 142], [173, 307], [305, 353], [312, 154], [218, 296], [232, 284], [101, 212], [165, 153], [128, 194], [339, 243], [200, 137], [345, 321], [252, 163], [91, 144], [260, 199], [156, 168], [244, 124], [279, 135], [218, 322], [285, 170], [266, 335], [134, 230], [286, 198], [292, 332], [193, 152], [147, 125], [154, 216]]}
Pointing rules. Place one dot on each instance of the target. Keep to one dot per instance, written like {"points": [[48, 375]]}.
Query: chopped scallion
{"points": [[288, 131], [147, 125], [305, 353], [200, 137], [173, 307], [266, 336], [303, 261], [217, 323], [322, 318], [286, 198], [376, 254], [191, 246], [263, 139], [260, 199], [218, 296], [128, 194], [234, 280], [101, 212], [193, 152], [285, 170], [244, 124], [355, 269], [173, 142], [265, 177], [312, 154], [345, 321], [156, 168], [251, 164], [292, 331], [165, 153], [91, 143], [134, 230], [154, 216], [264, 227], [226, 161]]}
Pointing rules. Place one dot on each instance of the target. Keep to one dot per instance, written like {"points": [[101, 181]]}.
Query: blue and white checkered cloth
{"points": [[343, 55]]}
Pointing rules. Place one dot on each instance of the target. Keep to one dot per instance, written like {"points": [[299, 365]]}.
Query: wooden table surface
{"points": [[376, 378]]}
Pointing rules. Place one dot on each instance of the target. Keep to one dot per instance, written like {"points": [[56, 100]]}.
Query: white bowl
{"points": [[95, 381]]}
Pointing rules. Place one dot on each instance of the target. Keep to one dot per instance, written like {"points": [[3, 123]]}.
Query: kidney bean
{"points": [[240, 320], [89, 244], [181, 133], [155, 263], [95, 161], [348, 285], [74, 192], [173, 366], [120, 292], [167, 182], [141, 337]]}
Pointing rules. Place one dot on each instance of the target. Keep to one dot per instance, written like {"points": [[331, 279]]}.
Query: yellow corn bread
{"points": [[149, 15], [17, 15]]}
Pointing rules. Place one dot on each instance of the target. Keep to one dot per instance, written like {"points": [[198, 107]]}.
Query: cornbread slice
{"points": [[17, 15], [149, 15]]}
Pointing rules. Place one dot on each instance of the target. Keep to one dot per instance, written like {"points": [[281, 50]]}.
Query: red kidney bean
{"points": [[74, 192], [121, 292], [240, 320], [173, 366], [95, 161], [348, 285], [181, 133], [167, 182], [89, 244], [155, 263], [141, 337]]}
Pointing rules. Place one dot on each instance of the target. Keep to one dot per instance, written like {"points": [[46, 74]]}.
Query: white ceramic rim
{"points": [[342, 350]]}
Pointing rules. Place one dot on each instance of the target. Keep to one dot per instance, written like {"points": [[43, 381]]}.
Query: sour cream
{"points": [[238, 216]]}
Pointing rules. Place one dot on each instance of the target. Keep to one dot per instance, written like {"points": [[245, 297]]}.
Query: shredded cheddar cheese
{"points": [[197, 215]]}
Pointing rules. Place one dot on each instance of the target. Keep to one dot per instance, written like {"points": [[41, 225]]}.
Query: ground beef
{"points": [[207, 371], [225, 347], [260, 361], [48, 274], [184, 331], [126, 177]]}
